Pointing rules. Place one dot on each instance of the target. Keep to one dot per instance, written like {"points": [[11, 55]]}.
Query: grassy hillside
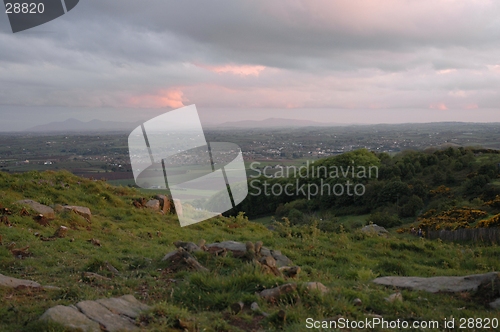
{"points": [[135, 240]]}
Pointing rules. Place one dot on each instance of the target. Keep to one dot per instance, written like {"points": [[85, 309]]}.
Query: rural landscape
{"points": [[75, 230]]}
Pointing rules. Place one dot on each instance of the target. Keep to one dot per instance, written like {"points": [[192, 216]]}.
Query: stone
{"points": [[357, 302], [396, 297], [15, 283], [188, 246], [44, 210], [375, 229], [126, 305], [153, 204], [316, 286], [239, 247], [440, 284], [80, 210], [70, 318], [111, 322], [495, 304], [273, 294], [61, 232]]}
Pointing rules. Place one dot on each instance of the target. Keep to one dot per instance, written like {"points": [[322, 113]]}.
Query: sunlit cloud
{"points": [[438, 106], [242, 70], [166, 98]]}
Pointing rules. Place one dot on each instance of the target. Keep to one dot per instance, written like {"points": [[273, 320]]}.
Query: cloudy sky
{"points": [[339, 61]]}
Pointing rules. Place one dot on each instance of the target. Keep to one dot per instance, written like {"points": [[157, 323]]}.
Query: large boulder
{"points": [[70, 318], [80, 210], [17, 283], [375, 229], [440, 284], [44, 210]]}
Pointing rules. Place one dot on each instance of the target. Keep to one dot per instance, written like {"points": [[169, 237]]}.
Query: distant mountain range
{"points": [[74, 125], [273, 123]]}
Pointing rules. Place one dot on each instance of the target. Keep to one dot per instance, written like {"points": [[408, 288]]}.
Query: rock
{"points": [[375, 229], [70, 318], [229, 245], [495, 304], [281, 260], [15, 283], [91, 276], [80, 210], [255, 308], [46, 211], [61, 232], [127, 305], [153, 204], [396, 297], [357, 302], [113, 314], [316, 286], [273, 294], [41, 220], [188, 246], [440, 284], [112, 322], [181, 258], [239, 249], [112, 269]]}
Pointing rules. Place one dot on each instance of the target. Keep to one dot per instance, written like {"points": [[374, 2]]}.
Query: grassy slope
{"points": [[345, 262]]}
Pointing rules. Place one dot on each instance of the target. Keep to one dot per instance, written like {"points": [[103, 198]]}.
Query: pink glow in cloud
{"points": [[242, 70], [438, 106], [172, 98]]}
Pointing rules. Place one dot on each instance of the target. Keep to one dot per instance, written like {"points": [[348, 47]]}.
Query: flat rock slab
{"points": [[439, 284], [15, 283], [113, 314], [81, 210], [126, 305], [281, 260], [46, 211], [71, 318], [112, 322]]}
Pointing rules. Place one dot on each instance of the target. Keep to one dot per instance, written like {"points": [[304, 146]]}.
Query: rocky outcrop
{"points": [[440, 284], [239, 247], [113, 314], [80, 210], [71, 318], [375, 229], [44, 210]]}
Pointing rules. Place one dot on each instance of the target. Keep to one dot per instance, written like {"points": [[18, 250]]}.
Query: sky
{"points": [[334, 61]]}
